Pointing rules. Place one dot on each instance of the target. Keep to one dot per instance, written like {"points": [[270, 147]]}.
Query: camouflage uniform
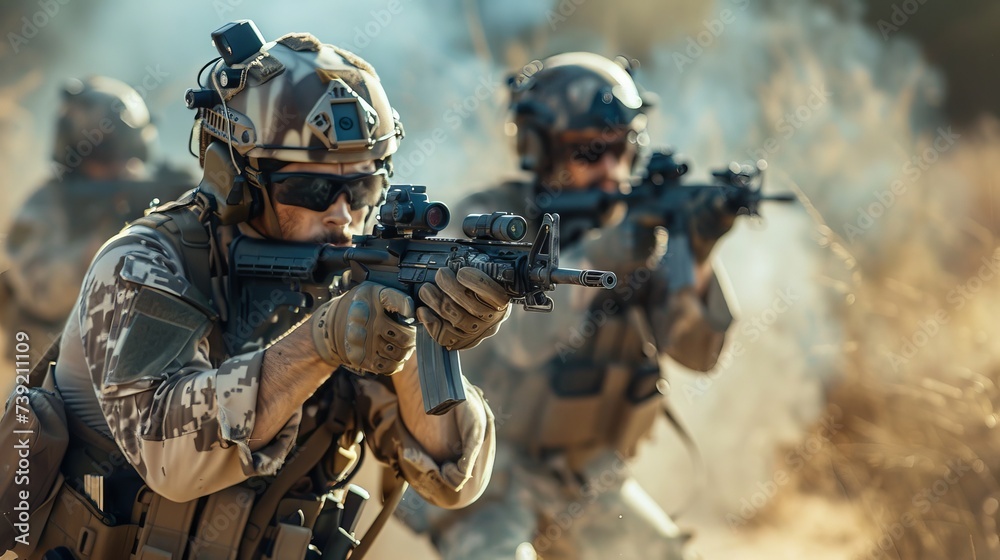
{"points": [[182, 410]]}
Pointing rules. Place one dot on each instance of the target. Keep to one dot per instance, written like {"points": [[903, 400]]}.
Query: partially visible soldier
{"points": [[574, 396], [103, 140], [188, 444]]}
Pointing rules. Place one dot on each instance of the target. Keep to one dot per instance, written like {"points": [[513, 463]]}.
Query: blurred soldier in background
{"points": [[99, 182], [574, 396]]}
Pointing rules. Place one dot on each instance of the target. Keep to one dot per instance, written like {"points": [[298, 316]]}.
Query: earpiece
{"points": [[236, 200]]}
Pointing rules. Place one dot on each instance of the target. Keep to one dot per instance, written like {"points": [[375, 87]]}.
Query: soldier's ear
{"points": [[531, 119], [236, 200], [532, 147]]}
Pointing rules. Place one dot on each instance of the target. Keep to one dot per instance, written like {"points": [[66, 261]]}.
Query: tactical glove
{"points": [[462, 309], [355, 330], [713, 217]]}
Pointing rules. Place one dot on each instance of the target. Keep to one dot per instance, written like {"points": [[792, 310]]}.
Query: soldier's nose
{"points": [[339, 213]]}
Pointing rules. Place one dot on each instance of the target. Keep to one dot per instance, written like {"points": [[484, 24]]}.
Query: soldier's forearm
{"points": [[696, 321], [437, 434], [696, 345], [291, 372], [703, 274]]}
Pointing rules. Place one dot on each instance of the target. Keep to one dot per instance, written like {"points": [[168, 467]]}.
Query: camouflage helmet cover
{"points": [[104, 120], [298, 100]]}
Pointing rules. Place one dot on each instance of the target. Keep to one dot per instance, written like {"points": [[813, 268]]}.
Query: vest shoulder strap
{"points": [[190, 238]]}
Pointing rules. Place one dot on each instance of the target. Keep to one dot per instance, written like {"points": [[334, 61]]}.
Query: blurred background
{"points": [[853, 413]]}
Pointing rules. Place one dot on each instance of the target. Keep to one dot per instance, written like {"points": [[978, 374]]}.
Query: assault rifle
{"points": [[661, 199], [297, 277]]}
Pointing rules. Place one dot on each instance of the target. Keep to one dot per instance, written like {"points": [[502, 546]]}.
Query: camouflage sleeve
{"points": [[450, 484], [181, 423], [46, 262]]}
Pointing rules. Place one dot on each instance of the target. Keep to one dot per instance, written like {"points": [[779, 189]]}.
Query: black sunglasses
{"points": [[317, 191], [592, 152]]}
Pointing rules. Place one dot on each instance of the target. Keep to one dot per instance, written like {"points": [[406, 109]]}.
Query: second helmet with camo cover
{"points": [[574, 92], [293, 100]]}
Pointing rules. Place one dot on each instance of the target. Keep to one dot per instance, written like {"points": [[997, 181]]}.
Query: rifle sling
{"points": [[305, 458], [697, 460]]}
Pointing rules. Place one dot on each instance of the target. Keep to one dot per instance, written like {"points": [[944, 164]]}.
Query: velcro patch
{"points": [[263, 68], [300, 42], [160, 328]]}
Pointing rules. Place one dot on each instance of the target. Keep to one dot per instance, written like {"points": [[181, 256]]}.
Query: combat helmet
{"points": [[290, 100], [573, 92], [102, 120]]}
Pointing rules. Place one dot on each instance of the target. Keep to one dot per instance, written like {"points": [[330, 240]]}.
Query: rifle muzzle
{"points": [[588, 278]]}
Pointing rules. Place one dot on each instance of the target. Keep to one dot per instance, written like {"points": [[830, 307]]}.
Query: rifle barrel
{"points": [[588, 278]]}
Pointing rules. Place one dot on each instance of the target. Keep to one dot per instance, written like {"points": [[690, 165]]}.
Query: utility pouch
{"points": [[290, 542], [639, 409], [571, 409], [76, 524], [33, 430], [6, 298], [221, 524]]}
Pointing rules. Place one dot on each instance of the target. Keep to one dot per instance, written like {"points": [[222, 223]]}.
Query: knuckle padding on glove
{"points": [[354, 342], [466, 290], [461, 309], [431, 321], [470, 293], [357, 330], [387, 349], [490, 293], [396, 302], [444, 310]]}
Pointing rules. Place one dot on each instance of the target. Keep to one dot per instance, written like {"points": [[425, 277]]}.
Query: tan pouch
{"points": [[634, 423], [75, 523], [221, 524], [38, 519], [290, 543], [34, 436], [639, 404], [570, 414]]}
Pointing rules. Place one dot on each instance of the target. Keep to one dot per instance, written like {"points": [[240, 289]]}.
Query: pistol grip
{"points": [[440, 374]]}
